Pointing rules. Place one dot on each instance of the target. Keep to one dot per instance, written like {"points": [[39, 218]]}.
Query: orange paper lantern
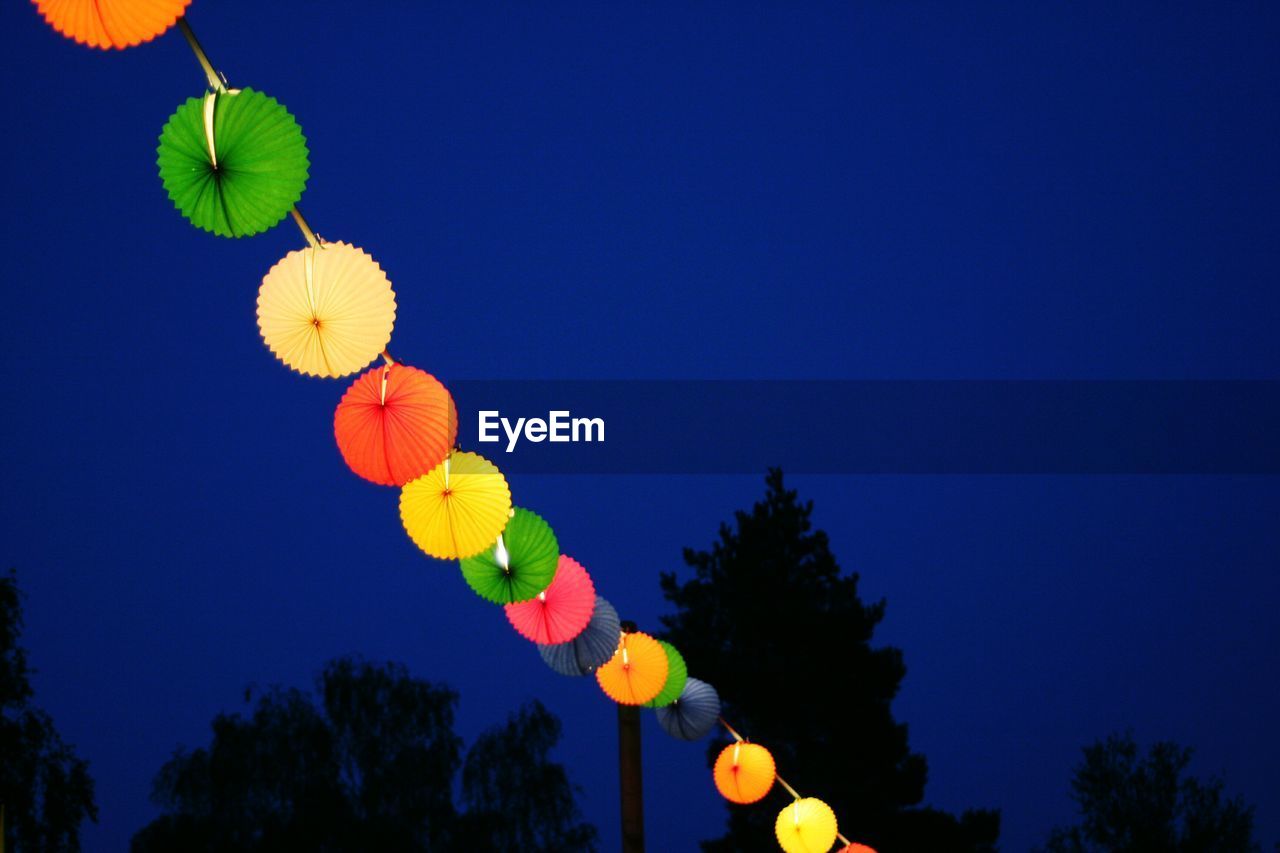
{"points": [[111, 23], [636, 672], [394, 424], [856, 848], [744, 772]]}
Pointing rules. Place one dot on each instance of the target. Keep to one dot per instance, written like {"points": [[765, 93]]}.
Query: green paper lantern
{"points": [[521, 564], [233, 163], [677, 675]]}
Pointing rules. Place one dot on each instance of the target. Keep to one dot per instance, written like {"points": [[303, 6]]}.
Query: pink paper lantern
{"points": [[561, 611]]}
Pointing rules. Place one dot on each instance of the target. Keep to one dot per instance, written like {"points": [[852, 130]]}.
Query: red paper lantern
{"points": [[394, 424]]}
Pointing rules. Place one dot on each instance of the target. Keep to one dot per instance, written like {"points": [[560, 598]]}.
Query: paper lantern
{"points": [[394, 424], [561, 611], [111, 23], [458, 509], [327, 311], [233, 163], [744, 772], [519, 565], [636, 672], [591, 649], [806, 826], [677, 674], [694, 714], [856, 848]]}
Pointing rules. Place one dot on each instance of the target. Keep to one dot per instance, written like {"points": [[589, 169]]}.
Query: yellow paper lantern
{"points": [[744, 772], [636, 672], [458, 509], [326, 311], [806, 826]]}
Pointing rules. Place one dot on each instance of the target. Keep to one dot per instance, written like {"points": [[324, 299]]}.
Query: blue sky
{"points": [[713, 190]]}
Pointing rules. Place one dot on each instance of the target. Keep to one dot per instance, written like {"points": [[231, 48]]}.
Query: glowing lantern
{"points": [[636, 672], [806, 826], [458, 509], [234, 163], [694, 714], [856, 848], [328, 311], [561, 611], [111, 23], [677, 674], [394, 424], [519, 565], [744, 772], [592, 648]]}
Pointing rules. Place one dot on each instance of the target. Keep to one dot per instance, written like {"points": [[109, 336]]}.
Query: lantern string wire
{"points": [[215, 82], [218, 84], [304, 227]]}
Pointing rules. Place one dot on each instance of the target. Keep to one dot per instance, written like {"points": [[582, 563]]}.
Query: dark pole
{"points": [[629, 774]]}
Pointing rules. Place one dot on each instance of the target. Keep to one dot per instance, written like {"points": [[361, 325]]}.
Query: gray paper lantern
{"points": [[591, 649], [694, 714]]}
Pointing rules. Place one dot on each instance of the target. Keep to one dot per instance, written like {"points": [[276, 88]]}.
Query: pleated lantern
{"points": [[234, 163], [560, 612], [677, 674], [744, 772], [394, 424], [328, 311], [457, 509], [591, 649], [855, 847], [636, 672], [519, 565], [808, 825], [694, 714], [110, 24]]}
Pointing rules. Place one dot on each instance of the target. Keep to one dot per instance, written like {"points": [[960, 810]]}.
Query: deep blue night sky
{"points": [[711, 190]]}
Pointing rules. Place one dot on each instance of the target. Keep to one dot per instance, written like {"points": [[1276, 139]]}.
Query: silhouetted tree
{"points": [[515, 797], [370, 766], [768, 618], [44, 788], [1132, 804]]}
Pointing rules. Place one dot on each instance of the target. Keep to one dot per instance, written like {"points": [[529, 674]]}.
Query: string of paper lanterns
{"points": [[744, 772], [235, 163]]}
